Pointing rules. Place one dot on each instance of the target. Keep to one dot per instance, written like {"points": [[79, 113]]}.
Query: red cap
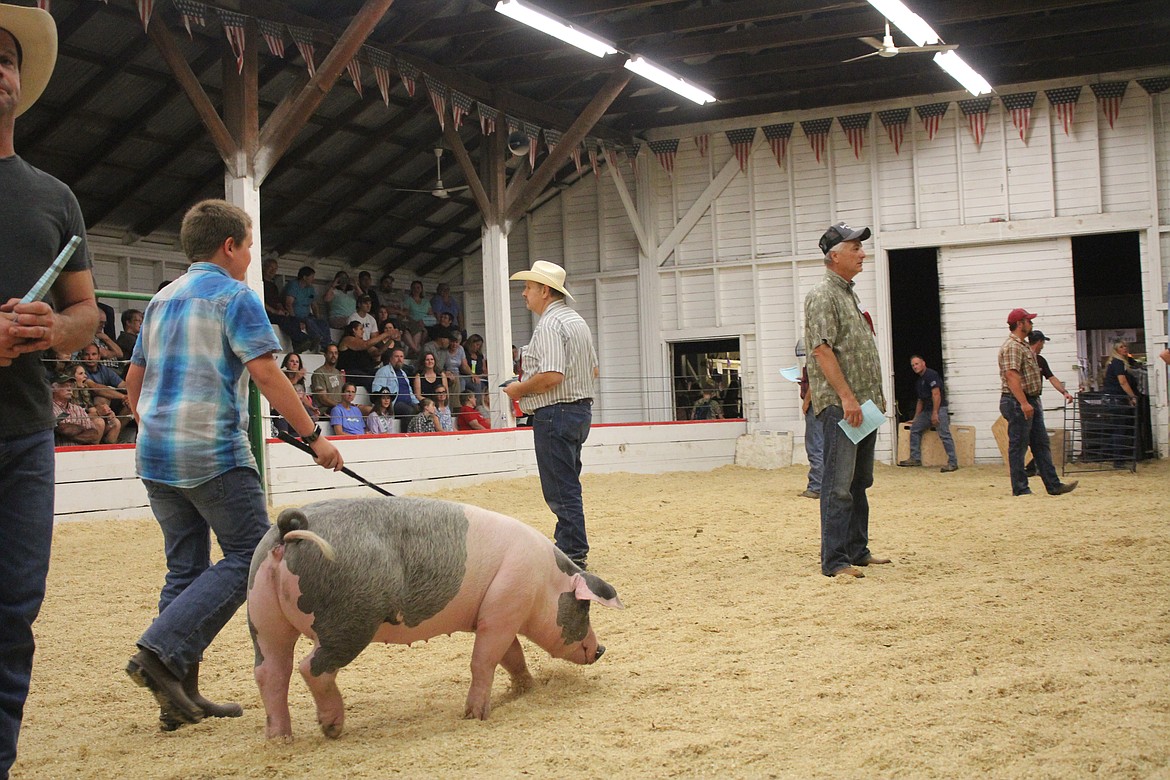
{"points": [[1019, 314]]}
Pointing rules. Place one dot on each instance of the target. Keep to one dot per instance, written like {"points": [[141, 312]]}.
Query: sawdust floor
{"points": [[1024, 637]]}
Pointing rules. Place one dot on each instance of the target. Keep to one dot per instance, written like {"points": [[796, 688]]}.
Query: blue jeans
{"points": [[558, 432], [844, 506], [922, 423], [26, 535], [814, 447], [1022, 434], [198, 599]]}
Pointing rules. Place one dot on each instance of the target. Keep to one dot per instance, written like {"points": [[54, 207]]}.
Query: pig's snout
{"points": [[600, 652]]}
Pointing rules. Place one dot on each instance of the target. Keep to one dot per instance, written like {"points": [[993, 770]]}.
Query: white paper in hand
{"points": [[791, 374], [871, 418]]}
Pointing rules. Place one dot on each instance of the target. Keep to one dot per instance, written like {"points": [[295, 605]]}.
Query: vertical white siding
{"points": [[616, 333], [938, 169]]}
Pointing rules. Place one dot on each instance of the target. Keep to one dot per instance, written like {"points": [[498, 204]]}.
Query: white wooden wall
{"points": [[1001, 215]]}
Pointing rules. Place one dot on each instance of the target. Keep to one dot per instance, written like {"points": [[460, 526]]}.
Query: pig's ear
{"points": [[588, 587]]}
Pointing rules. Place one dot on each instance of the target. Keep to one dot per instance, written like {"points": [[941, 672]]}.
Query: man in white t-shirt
{"points": [[362, 315]]}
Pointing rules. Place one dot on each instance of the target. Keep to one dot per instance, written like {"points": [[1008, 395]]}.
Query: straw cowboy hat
{"points": [[547, 273], [36, 34]]}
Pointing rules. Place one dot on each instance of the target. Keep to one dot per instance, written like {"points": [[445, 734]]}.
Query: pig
{"points": [[347, 572]]}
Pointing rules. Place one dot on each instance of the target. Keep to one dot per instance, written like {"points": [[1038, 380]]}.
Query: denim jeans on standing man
{"points": [[26, 536], [848, 473], [922, 423], [198, 599], [558, 432], [1022, 434], [814, 447]]}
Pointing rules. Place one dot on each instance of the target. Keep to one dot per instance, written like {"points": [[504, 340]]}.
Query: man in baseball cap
{"points": [[1019, 403], [839, 233], [38, 217]]}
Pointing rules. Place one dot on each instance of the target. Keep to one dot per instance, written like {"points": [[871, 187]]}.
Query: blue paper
{"points": [[871, 418], [791, 374]]}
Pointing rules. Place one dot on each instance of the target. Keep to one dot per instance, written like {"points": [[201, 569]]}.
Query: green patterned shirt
{"points": [[833, 316]]}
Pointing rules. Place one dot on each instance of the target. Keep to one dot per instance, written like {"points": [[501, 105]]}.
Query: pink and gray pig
{"points": [[348, 572]]}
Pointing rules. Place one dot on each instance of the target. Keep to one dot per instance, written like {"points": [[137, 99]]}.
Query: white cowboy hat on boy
{"points": [[544, 272], [36, 36]]}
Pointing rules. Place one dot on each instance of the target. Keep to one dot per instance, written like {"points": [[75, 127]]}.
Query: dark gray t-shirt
{"points": [[38, 216]]}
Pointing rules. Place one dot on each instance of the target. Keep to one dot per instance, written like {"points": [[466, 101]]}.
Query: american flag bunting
{"points": [[44, 5], [409, 74], [931, 115], [741, 140], [233, 27], [895, 121], [1064, 100], [461, 106], [438, 91], [303, 38], [532, 132], [1020, 106], [632, 156], [273, 34], [1155, 85], [552, 138], [513, 124], [145, 11], [778, 136], [1109, 95], [380, 63], [976, 112], [665, 150], [591, 149], [576, 155], [488, 117], [855, 126], [354, 69], [817, 132], [191, 11], [702, 143]]}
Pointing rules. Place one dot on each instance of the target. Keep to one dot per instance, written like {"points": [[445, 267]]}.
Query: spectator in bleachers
{"points": [[443, 324], [439, 343], [294, 368], [103, 380], [300, 300], [108, 349], [476, 381], [325, 383], [416, 312], [389, 297], [443, 301], [340, 299], [131, 325], [429, 378], [358, 357], [454, 361], [57, 362], [393, 377], [104, 412], [443, 409], [381, 418], [362, 314], [365, 286], [279, 315], [346, 419], [708, 406], [470, 418], [79, 382], [74, 424], [426, 421]]}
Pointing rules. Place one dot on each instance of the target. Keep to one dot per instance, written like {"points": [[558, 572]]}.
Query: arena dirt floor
{"points": [[1011, 637]]}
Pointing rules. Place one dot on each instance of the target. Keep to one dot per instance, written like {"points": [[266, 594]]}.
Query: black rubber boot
{"points": [[210, 708]]}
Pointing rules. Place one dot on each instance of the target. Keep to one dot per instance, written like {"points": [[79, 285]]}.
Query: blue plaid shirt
{"points": [[197, 335]]}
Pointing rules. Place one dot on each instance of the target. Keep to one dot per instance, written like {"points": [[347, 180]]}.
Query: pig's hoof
{"points": [[477, 710], [522, 683], [331, 730]]}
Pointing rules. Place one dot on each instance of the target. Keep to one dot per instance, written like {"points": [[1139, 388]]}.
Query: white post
{"points": [[497, 321]]}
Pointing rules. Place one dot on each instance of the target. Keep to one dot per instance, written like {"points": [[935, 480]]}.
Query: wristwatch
{"points": [[312, 437]]}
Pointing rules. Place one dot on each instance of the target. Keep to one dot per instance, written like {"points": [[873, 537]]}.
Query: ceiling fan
{"points": [[886, 47], [439, 191]]}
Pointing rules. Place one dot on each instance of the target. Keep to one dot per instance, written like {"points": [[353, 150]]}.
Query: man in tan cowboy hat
{"points": [[560, 366], [38, 217]]}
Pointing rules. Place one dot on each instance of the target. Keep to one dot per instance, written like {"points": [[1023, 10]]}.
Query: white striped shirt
{"points": [[561, 342]]}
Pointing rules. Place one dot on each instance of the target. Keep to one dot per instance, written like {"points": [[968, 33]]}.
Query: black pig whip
{"points": [[288, 438]]}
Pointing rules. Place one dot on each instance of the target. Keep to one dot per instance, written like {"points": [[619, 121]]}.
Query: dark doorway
{"points": [[917, 321], [697, 362]]}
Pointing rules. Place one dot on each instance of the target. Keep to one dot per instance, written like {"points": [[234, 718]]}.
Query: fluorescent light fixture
{"points": [[963, 73], [557, 28], [910, 23], [664, 78]]}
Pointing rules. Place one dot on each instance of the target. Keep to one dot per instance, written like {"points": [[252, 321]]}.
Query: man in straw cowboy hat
{"points": [[38, 218], [560, 366]]}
